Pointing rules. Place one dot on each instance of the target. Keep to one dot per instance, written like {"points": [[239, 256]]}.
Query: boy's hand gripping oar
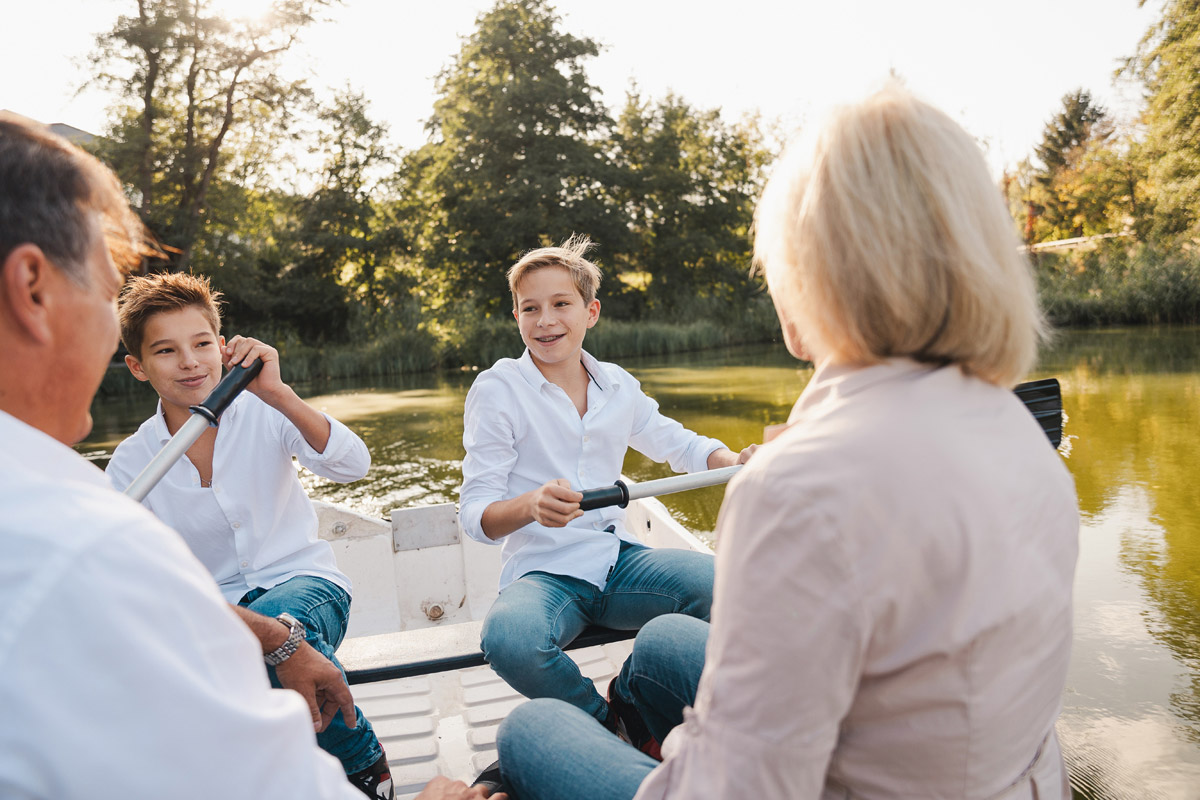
{"points": [[1043, 399], [203, 415]]}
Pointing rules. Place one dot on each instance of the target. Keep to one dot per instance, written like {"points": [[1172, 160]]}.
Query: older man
{"points": [[123, 673]]}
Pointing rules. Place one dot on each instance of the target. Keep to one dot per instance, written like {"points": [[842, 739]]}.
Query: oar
{"points": [[203, 415], [1043, 399]]}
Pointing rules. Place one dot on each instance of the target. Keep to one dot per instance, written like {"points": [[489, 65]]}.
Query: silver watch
{"points": [[295, 637]]}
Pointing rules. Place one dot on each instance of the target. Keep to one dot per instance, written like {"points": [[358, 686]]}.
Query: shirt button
{"points": [[245, 563], [587, 438], [237, 525]]}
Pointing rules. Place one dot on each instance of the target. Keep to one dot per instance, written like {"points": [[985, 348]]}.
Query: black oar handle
{"points": [[231, 386], [615, 495]]}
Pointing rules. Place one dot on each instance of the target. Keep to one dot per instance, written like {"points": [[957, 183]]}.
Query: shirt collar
{"points": [[39, 453], [537, 380], [833, 382]]}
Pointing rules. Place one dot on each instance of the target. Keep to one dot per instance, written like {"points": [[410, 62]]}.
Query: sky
{"points": [[999, 68]]}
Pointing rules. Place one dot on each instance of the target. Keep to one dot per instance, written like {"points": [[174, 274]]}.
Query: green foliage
{"points": [[1085, 185], [517, 157], [689, 186], [203, 108], [1068, 131], [341, 255], [1117, 284], [1168, 60]]}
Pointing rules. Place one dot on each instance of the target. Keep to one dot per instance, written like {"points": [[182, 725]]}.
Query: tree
{"points": [[1168, 61], [201, 92], [518, 155], [691, 185], [342, 251], [1074, 190]]}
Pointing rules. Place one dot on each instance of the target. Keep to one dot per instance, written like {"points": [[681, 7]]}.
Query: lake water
{"points": [[1131, 713]]}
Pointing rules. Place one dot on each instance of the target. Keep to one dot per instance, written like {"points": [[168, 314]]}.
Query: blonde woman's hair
{"points": [[889, 238], [570, 255]]}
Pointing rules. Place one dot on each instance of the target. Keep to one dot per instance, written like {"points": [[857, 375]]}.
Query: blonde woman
{"points": [[892, 614]]}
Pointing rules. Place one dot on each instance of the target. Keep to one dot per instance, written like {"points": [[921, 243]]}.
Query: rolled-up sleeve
{"points": [[489, 439], [663, 439], [345, 458]]}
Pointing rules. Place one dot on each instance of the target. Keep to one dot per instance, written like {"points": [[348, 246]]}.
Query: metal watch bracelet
{"points": [[289, 646]]}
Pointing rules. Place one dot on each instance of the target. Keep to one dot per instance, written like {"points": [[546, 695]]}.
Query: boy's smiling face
{"points": [[552, 315], [181, 357]]}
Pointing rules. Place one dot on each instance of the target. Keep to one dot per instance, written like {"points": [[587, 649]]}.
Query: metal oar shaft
{"points": [[1043, 399], [203, 415], [161, 464], [621, 493], [682, 483]]}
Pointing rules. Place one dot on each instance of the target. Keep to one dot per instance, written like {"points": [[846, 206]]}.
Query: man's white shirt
{"points": [[255, 527], [123, 672], [521, 431]]}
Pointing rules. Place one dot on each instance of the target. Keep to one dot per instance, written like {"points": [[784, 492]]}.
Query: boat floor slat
{"points": [[446, 723]]}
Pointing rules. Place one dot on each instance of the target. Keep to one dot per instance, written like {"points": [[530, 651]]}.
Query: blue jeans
{"points": [[539, 613], [324, 608], [552, 751]]}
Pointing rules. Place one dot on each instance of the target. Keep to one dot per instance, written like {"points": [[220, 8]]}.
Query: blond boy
{"points": [[537, 430]]}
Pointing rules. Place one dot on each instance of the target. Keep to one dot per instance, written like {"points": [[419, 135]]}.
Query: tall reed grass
{"points": [[467, 339], [1120, 285]]}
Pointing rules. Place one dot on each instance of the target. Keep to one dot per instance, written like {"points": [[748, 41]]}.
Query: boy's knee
{"points": [[507, 643], [668, 634], [659, 632], [525, 721]]}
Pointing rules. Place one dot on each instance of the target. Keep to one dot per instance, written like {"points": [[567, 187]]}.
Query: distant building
{"points": [[69, 132]]}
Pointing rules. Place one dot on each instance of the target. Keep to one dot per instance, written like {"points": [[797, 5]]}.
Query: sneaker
{"points": [[625, 721], [375, 781], [492, 780]]}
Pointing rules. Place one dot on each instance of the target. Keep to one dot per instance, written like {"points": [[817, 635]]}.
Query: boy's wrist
{"points": [[279, 397]]}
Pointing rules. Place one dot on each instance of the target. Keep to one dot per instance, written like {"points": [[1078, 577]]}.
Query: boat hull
{"points": [[421, 592]]}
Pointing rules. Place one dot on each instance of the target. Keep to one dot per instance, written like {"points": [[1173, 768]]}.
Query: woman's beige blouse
{"points": [[893, 602]]}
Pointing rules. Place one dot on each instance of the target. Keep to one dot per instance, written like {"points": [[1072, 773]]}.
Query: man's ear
{"points": [[25, 276], [135, 367], [593, 312]]}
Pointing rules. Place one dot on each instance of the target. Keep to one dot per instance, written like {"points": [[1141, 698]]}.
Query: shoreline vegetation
{"points": [[404, 351], [1111, 287], [373, 260]]}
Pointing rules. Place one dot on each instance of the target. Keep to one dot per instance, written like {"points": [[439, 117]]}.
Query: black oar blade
{"points": [[1044, 400]]}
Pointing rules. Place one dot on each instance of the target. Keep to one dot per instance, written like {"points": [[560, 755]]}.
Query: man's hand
{"points": [[321, 685], [442, 788], [555, 504]]}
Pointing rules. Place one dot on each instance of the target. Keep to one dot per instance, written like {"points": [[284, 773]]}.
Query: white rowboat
{"points": [[421, 591]]}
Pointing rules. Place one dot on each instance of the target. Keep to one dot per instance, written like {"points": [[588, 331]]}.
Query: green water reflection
{"points": [[1131, 718]]}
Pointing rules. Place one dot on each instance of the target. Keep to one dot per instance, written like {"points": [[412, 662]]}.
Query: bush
{"points": [[1119, 284]]}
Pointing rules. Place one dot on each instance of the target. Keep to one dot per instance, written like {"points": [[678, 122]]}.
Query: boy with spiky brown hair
{"points": [[236, 499], [537, 430]]}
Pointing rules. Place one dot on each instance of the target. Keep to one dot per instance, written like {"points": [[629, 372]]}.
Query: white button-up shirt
{"points": [[892, 610], [521, 431], [255, 527], [123, 673]]}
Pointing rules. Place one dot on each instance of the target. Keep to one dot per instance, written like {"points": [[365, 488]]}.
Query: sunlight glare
{"points": [[231, 10]]}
